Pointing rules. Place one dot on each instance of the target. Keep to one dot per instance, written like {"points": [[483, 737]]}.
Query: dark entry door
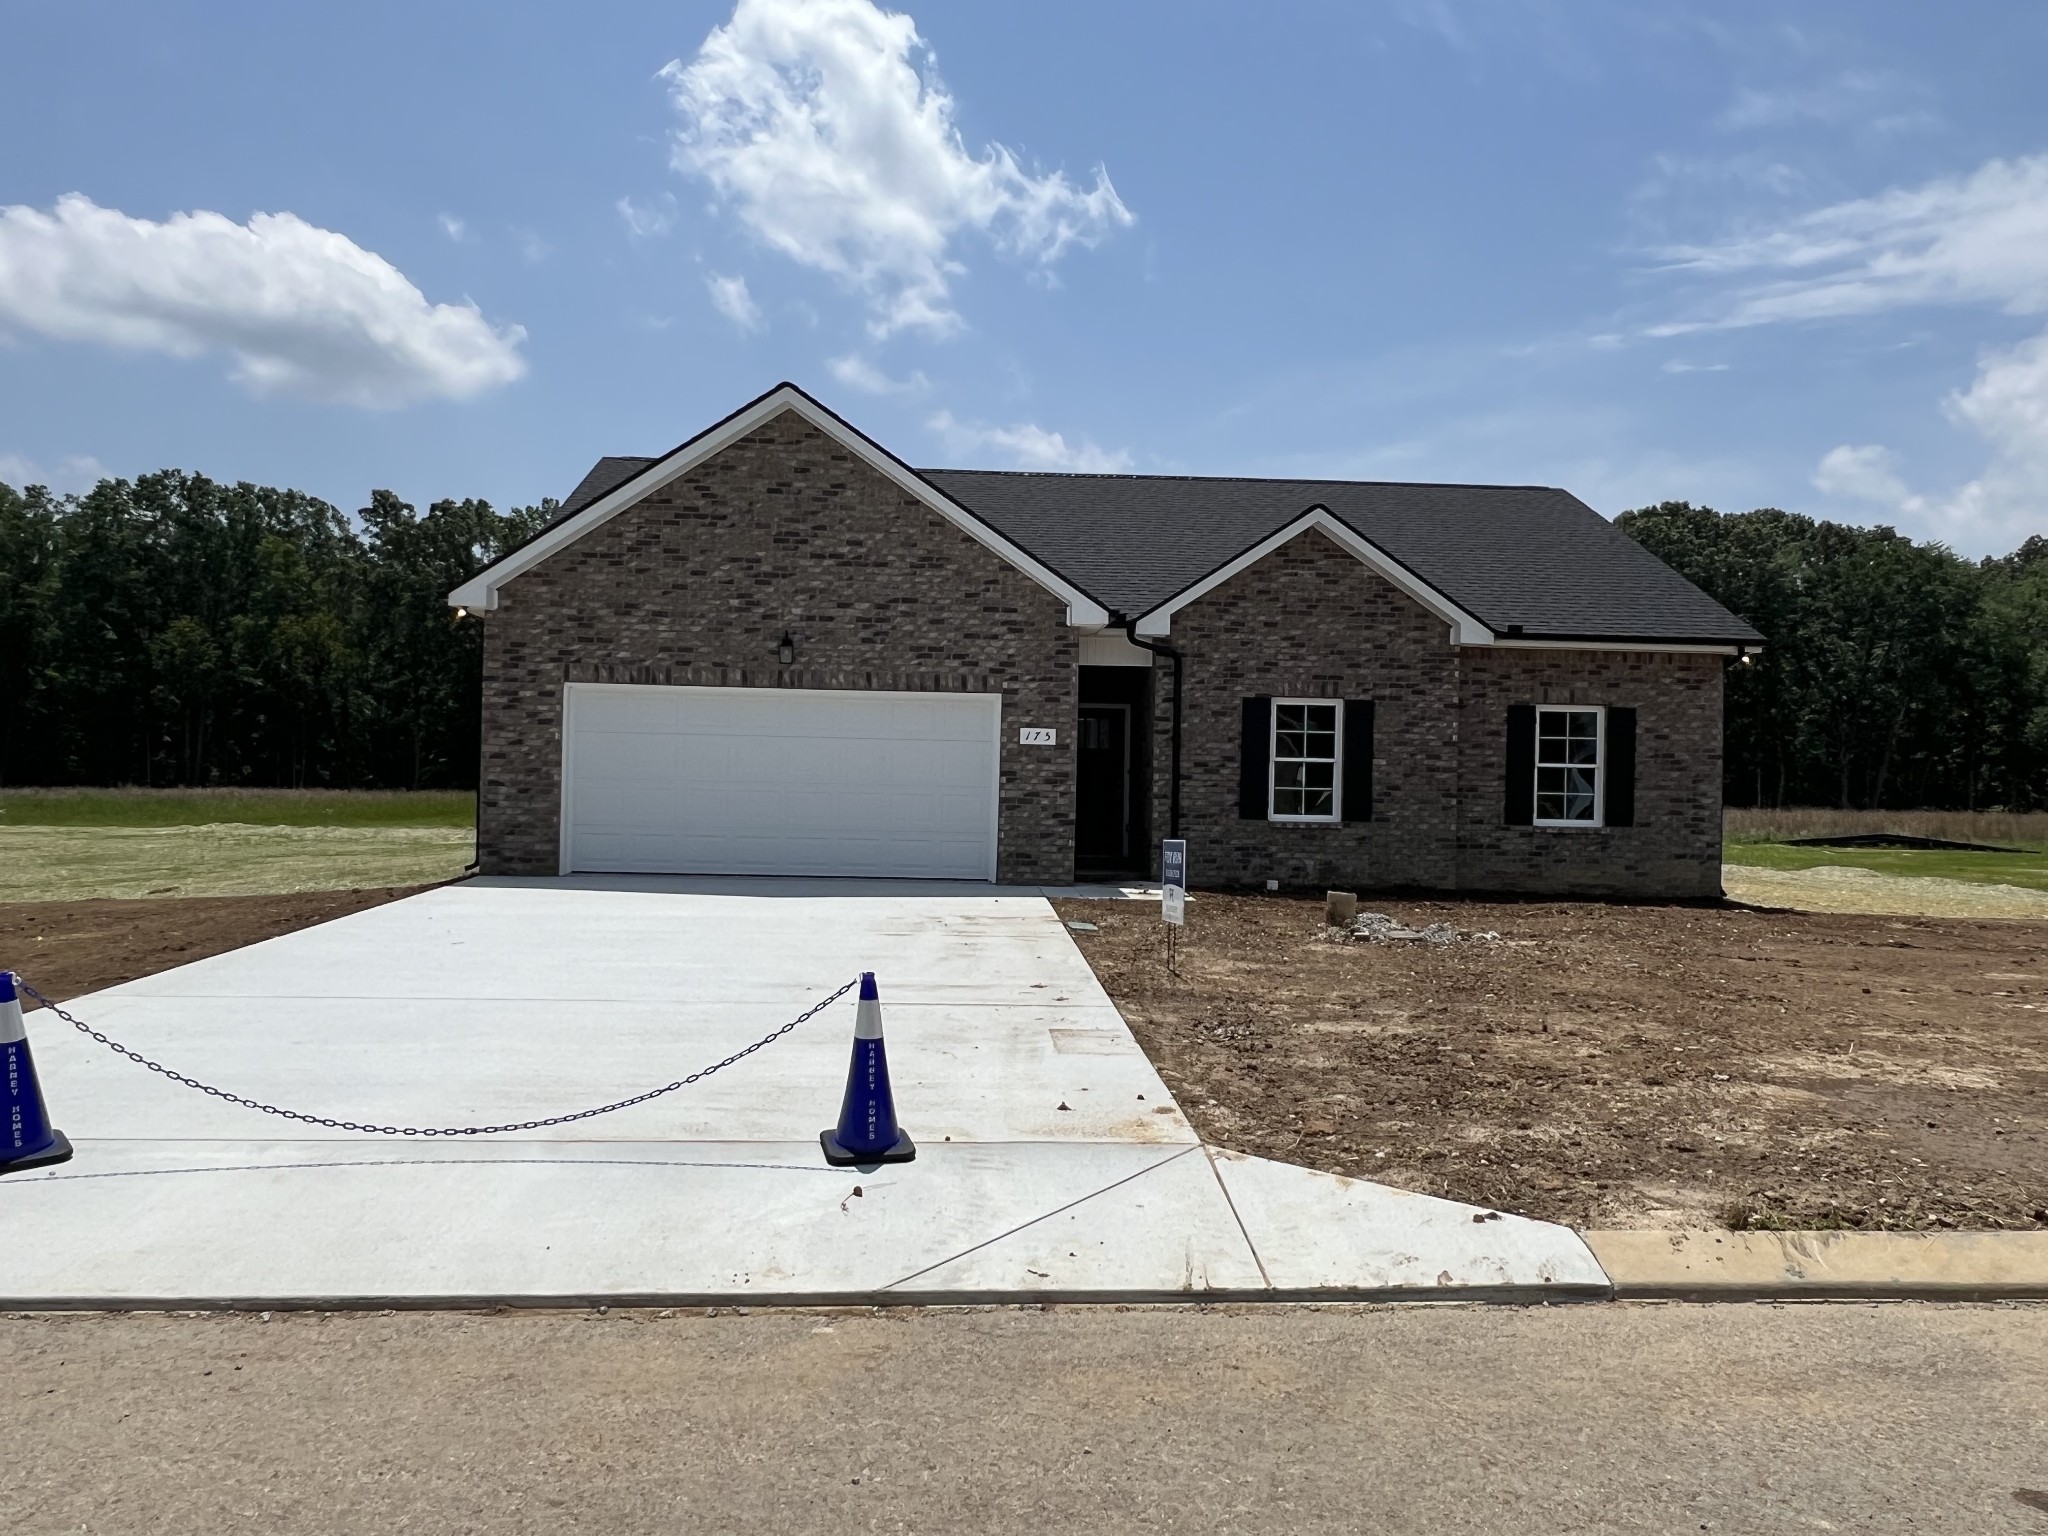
{"points": [[1102, 820]]}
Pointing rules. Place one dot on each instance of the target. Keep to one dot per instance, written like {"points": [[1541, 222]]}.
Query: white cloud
{"points": [[1977, 239], [531, 247], [453, 227], [1872, 99], [856, 372], [1980, 241], [1679, 365], [1028, 446], [648, 220], [301, 310], [75, 472], [1864, 472], [823, 126], [730, 298], [2008, 407]]}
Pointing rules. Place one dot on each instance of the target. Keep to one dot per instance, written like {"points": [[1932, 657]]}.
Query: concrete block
{"points": [[1736, 1266]]}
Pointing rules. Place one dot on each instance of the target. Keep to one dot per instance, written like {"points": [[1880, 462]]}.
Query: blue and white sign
{"points": [[1173, 881]]}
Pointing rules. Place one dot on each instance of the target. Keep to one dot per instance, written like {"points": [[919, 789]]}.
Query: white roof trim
{"points": [[1465, 629], [481, 591], [1732, 648]]}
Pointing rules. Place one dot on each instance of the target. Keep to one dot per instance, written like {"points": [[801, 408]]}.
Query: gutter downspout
{"points": [[1160, 648]]}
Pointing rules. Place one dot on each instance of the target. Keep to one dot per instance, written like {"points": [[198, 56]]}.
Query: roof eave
{"points": [[1718, 645], [1157, 621], [480, 592]]}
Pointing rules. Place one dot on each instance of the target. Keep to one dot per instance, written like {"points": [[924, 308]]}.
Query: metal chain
{"points": [[413, 1130]]}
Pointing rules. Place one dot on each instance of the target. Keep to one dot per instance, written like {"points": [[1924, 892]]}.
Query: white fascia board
{"points": [[1518, 643], [1465, 629], [481, 591]]}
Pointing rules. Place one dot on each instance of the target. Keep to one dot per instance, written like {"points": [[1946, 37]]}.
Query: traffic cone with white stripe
{"points": [[867, 1131], [26, 1137]]}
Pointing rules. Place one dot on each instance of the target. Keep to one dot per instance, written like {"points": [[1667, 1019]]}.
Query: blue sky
{"points": [[1741, 254]]}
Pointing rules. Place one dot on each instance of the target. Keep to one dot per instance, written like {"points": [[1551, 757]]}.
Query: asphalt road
{"points": [[1438, 1420]]}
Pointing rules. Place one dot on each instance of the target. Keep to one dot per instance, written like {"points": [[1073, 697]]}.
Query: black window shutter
{"points": [[1521, 804], [1358, 759], [1254, 757], [1621, 767]]}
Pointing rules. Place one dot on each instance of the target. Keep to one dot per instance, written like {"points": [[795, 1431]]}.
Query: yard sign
{"points": [[1173, 880]]}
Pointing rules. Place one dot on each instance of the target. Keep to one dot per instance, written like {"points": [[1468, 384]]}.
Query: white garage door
{"points": [[778, 781]]}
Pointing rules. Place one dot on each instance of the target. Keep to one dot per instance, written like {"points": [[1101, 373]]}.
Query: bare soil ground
{"points": [[66, 948], [1613, 1066]]}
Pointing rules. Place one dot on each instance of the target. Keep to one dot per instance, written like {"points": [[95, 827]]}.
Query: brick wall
{"points": [[695, 584], [1674, 848], [785, 530], [1312, 621]]}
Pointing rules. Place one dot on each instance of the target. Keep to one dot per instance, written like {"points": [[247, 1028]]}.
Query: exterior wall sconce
{"points": [[785, 650]]}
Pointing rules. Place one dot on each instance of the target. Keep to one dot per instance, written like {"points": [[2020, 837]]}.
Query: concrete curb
{"points": [[1818, 1266], [815, 1301]]}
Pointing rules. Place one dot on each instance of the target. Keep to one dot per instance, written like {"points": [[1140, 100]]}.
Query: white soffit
{"points": [[481, 591], [1465, 629], [1112, 648]]}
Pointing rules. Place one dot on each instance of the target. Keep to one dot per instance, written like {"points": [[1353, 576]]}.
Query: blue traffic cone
{"points": [[867, 1131], [26, 1140]]}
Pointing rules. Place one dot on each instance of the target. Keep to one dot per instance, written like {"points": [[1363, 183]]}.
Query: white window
{"points": [[1306, 741], [1570, 748]]}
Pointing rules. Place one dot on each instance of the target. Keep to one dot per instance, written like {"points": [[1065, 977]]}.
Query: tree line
{"points": [[1895, 674], [172, 630]]}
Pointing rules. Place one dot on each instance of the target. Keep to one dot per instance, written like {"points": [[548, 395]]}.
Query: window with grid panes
{"points": [[1305, 735], [1568, 743]]}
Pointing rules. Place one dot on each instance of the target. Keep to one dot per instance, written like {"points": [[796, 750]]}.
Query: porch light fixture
{"points": [[785, 650]]}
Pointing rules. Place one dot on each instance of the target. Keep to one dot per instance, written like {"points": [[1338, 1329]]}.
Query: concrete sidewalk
{"points": [[1053, 1163]]}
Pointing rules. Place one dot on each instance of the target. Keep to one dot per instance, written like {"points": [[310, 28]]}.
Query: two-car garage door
{"points": [[779, 781]]}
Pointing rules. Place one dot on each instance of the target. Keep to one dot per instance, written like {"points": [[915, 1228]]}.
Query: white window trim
{"points": [[1336, 763], [1599, 768]]}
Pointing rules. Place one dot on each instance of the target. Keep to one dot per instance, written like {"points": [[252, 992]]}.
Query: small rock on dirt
{"points": [[1378, 928]]}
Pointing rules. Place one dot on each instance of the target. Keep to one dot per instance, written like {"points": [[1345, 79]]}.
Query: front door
{"points": [[1102, 820]]}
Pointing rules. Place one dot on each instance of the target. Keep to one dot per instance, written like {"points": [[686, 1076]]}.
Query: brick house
{"points": [[778, 649]]}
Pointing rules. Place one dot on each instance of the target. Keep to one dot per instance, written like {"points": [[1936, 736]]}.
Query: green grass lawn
{"points": [[2029, 870], [245, 807], [79, 844]]}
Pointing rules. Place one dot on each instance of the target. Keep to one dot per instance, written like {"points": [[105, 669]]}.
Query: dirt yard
{"points": [[1613, 1065], [65, 948]]}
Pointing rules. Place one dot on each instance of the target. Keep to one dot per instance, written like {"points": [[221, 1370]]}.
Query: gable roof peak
{"points": [[481, 590]]}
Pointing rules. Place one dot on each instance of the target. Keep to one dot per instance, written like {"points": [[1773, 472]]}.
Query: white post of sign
{"points": [[1173, 890]]}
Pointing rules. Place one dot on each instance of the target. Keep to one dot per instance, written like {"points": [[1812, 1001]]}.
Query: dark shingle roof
{"points": [[1507, 554], [606, 476]]}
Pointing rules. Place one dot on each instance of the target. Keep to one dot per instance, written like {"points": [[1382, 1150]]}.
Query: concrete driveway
{"points": [[1053, 1163]]}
